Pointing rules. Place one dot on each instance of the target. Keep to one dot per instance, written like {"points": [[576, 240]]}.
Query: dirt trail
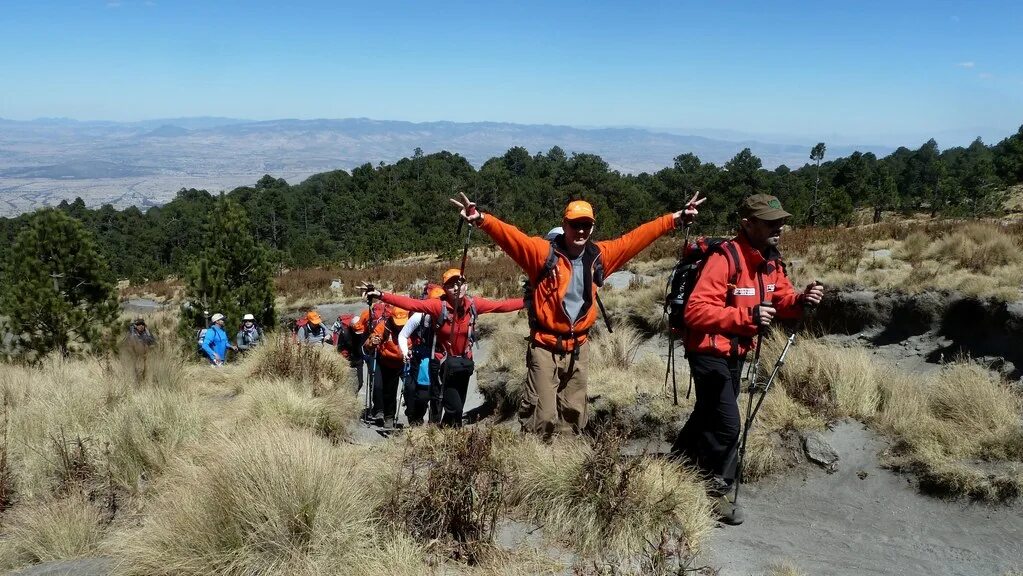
{"points": [[843, 525]]}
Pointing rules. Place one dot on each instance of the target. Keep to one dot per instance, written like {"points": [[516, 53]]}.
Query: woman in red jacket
{"points": [[454, 323]]}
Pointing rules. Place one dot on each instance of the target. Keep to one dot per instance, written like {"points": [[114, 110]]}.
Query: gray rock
{"points": [[79, 567], [619, 280], [818, 450], [336, 285], [883, 253]]}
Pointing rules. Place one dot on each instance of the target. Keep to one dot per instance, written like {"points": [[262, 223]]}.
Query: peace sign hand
{"points": [[467, 209], [688, 215]]}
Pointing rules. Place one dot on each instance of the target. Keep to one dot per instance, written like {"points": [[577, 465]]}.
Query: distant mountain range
{"points": [[144, 163]]}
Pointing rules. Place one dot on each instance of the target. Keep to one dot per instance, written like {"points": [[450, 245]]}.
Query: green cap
{"points": [[763, 207]]}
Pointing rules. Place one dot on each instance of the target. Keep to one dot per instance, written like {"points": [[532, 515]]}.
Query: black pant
{"points": [[710, 438], [454, 377], [385, 390], [417, 398]]}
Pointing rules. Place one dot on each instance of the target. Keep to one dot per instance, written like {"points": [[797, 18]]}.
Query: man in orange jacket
{"points": [[563, 309], [390, 361], [741, 289]]}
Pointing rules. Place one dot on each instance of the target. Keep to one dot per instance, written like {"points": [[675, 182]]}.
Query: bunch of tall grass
{"points": [[269, 500], [601, 503], [280, 357], [51, 530], [328, 412]]}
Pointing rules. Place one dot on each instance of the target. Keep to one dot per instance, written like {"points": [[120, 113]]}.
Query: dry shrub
{"points": [[53, 530], [268, 501], [280, 357], [449, 491], [912, 249], [601, 503]]}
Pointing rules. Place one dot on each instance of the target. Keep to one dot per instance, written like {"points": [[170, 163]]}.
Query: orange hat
{"points": [[313, 317], [579, 209], [452, 273], [435, 292], [399, 316]]}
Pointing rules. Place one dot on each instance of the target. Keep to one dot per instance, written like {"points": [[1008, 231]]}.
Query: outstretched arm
{"points": [[431, 306], [485, 306]]}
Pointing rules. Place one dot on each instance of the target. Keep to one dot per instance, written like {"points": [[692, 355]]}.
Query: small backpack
{"points": [[296, 326], [200, 335]]}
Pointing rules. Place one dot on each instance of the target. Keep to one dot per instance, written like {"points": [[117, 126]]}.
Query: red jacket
{"points": [[453, 335], [719, 316], [555, 330]]}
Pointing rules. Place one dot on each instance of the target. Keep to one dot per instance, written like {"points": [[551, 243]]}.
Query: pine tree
{"points": [[232, 275], [56, 292]]}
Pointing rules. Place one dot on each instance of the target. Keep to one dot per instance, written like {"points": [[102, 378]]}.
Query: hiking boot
{"points": [[378, 418], [417, 422], [729, 513], [718, 487], [389, 422]]}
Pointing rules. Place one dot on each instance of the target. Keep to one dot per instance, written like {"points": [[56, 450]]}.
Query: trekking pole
{"points": [[465, 248], [371, 365], [752, 410]]}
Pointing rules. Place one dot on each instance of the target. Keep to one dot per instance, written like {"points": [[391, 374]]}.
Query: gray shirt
{"points": [[575, 296]]}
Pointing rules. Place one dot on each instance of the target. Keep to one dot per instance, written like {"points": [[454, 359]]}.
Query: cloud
{"points": [[966, 64]]}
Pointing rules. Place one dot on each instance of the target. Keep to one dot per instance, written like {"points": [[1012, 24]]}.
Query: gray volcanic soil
{"points": [[880, 524]]}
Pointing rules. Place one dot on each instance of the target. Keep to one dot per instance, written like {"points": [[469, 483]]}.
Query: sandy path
{"points": [[841, 524]]}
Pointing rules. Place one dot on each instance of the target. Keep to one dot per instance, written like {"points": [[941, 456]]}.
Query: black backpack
{"points": [[680, 286], [685, 274]]}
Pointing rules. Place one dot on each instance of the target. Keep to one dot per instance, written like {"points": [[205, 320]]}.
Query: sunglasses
{"points": [[581, 225]]}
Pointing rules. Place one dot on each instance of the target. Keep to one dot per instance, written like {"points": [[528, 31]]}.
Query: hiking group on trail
{"points": [[722, 297]]}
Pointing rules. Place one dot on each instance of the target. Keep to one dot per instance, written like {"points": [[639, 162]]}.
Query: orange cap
{"points": [[399, 316], [435, 292], [451, 273], [313, 317], [578, 210]]}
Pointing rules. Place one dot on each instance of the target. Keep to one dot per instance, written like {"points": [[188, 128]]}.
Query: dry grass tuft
{"points": [[785, 569], [280, 357], [601, 503], [52, 530], [270, 501], [328, 412]]}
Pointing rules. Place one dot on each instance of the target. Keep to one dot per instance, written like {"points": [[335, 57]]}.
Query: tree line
{"points": [[375, 213]]}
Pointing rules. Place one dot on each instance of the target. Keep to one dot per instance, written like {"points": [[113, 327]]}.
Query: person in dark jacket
{"points": [[138, 333], [249, 335]]}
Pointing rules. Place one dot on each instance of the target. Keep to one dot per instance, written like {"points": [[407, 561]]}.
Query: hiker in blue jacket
{"points": [[215, 343]]}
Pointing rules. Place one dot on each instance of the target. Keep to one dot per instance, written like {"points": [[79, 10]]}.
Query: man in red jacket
{"points": [[563, 305], [741, 289]]}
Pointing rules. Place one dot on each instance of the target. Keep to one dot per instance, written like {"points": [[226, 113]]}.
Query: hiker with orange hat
{"points": [[454, 332], [313, 332], [383, 340], [564, 274]]}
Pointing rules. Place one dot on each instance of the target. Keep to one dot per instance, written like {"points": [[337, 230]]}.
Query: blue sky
{"points": [[871, 72]]}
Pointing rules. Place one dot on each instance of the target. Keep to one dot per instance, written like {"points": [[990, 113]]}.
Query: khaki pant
{"points": [[554, 399]]}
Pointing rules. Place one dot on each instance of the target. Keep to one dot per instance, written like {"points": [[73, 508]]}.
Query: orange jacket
{"points": [[719, 316], [388, 353], [554, 331]]}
